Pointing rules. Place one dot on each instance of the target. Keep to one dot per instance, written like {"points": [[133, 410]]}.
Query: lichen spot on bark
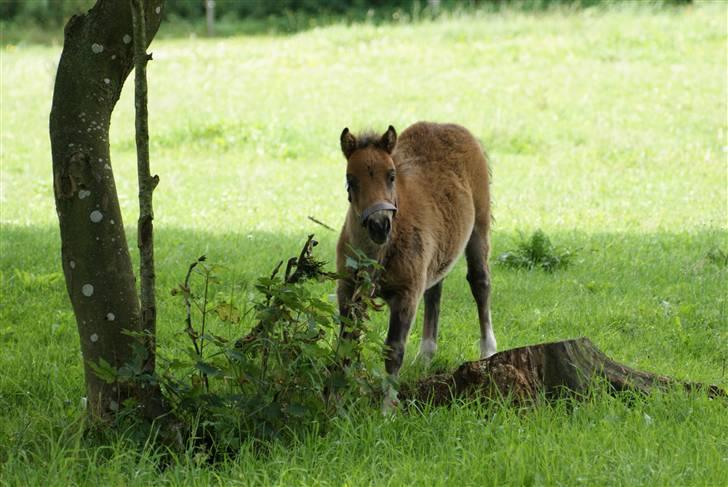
{"points": [[97, 48], [157, 10], [126, 38], [83, 193], [87, 290], [94, 338], [110, 316], [72, 264], [107, 80], [96, 216]]}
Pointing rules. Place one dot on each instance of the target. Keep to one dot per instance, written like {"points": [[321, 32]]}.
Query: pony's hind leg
{"points": [[428, 346], [476, 254]]}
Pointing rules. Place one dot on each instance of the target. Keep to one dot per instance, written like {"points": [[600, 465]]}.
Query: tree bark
{"points": [[547, 370], [97, 57]]}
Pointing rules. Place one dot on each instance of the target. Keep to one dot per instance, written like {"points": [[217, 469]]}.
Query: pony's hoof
{"points": [[426, 353], [390, 405], [423, 361]]}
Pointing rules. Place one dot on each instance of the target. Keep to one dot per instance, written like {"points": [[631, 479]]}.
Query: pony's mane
{"points": [[368, 138]]}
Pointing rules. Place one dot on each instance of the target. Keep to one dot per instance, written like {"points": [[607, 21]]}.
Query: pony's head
{"points": [[370, 180]]}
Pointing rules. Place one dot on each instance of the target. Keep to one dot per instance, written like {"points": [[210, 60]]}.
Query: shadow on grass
{"points": [[653, 300], [37, 248], [252, 254]]}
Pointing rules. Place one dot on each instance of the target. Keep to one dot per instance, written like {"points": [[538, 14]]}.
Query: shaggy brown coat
{"points": [[437, 178]]}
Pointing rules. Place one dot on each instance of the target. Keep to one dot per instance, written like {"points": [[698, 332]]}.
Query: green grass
{"points": [[606, 128]]}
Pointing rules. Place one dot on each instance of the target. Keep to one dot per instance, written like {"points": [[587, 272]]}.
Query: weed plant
{"points": [[536, 252]]}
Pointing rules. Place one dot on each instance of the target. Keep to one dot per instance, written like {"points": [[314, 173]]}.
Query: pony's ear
{"points": [[388, 140], [348, 143]]}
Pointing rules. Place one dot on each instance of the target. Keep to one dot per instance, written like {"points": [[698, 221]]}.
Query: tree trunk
{"points": [[210, 17], [545, 370], [147, 182], [97, 57]]}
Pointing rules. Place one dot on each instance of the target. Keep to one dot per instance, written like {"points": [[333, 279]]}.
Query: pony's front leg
{"points": [[402, 313], [401, 316]]}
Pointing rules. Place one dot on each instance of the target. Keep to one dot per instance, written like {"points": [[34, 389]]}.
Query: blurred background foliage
{"points": [[55, 12]]}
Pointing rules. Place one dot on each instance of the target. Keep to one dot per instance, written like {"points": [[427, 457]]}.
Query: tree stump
{"points": [[548, 370]]}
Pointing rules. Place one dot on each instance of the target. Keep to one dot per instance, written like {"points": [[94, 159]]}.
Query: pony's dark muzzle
{"points": [[377, 219], [379, 225]]}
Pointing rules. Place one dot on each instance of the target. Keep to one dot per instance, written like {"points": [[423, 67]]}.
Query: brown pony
{"points": [[415, 205]]}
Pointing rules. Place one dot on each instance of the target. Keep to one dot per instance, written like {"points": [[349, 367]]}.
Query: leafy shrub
{"points": [[536, 252], [287, 372]]}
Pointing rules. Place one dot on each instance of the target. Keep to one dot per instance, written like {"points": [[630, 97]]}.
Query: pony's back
{"points": [[444, 156]]}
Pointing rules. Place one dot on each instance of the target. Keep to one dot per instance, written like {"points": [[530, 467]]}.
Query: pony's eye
{"points": [[350, 183], [391, 176]]}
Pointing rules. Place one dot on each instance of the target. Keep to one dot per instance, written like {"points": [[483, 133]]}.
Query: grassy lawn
{"points": [[606, 129]]}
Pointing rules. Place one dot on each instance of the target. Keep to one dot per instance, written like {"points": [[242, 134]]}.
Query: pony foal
{"points": [[415, 204]]}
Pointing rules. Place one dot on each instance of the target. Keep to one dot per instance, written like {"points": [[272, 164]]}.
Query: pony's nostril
{"points": [[371, 225], [378, 230]]}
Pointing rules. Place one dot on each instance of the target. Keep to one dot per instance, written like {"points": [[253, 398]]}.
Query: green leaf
{"points": [[208, 369], [297, 410], [227, 312], [104, 371], [352, 263], [177, 364], [272, 411]]}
